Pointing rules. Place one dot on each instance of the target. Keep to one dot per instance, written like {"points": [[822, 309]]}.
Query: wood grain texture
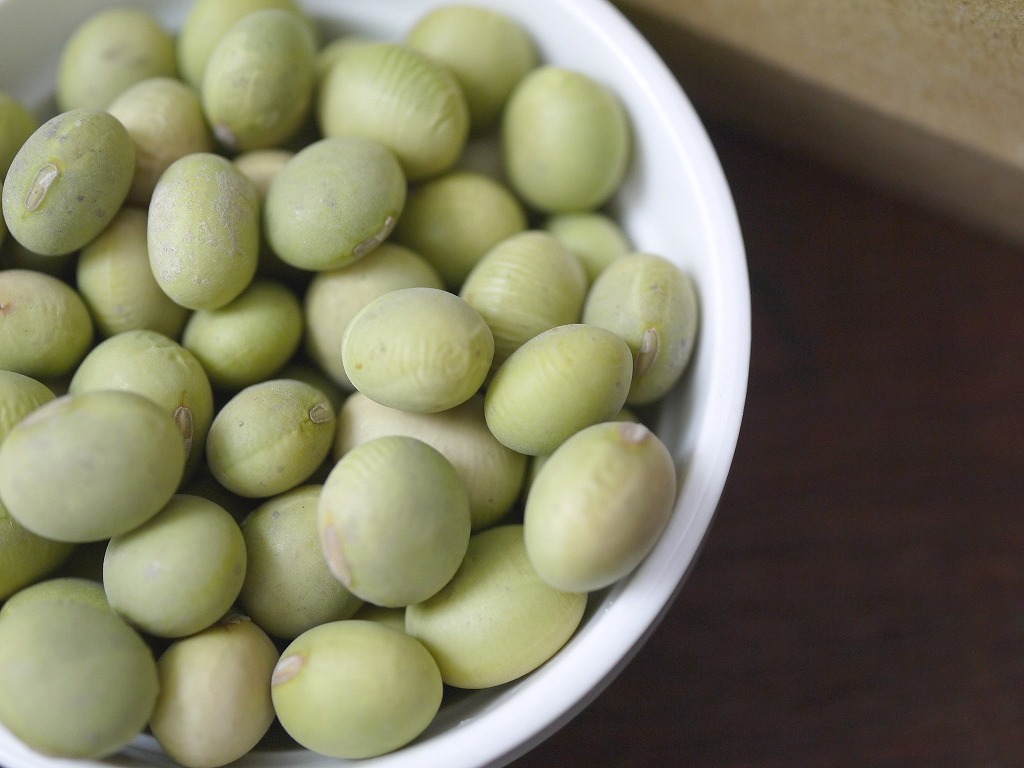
{"points": [[860, 599]]}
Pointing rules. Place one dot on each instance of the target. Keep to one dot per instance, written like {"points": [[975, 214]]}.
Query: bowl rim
{"points": [[516, 724]]}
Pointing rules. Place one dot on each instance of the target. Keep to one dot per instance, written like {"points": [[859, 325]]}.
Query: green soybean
{"points": [[652, 304], [206, 23], [303, 370], [335, 296], [536, 463], [392, 617], [288, 586], [165, 120], [455, 219], [257, 86], [487, 52], [599, 505], [60, 588], [355, 689], [45, 327], [203, 231], [25, 557], [555, 384], [3, 224], [19, 396], [75, 680], [90, 465], [68, 181], [17, 123], [214, 702], [418, 349], [566, 140], [394, 520], [110, 51], [491, 473], [115, 281], [596, 238], [180, 571], [270, 437], [526, 284], [483, 155], [496, 620], [155, 366], [334, 202], [261, 166], [397, 96], [248, 339], [335, 49]]}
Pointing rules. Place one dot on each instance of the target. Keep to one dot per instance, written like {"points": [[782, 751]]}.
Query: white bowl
{"points": [[675, 202]]}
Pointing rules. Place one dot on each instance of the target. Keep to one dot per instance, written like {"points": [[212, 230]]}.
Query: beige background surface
{"points": [[923, 96]]}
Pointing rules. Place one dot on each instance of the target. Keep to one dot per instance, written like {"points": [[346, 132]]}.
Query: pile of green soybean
{"points": [[321, 365]]}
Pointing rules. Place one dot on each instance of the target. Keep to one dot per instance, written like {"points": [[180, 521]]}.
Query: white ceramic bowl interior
{"points": [[675, 202]]}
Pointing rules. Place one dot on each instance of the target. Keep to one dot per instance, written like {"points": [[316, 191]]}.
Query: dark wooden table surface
{"points": [[860, 599]]}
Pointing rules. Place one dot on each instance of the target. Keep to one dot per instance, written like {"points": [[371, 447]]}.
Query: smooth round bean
{"points": [[288, 586], [214, 702], [355, 689], [487, 51], [258, 82], [180, 571], [270, 437], [567, 140], [455, 219], [334, 202], [111, 50], [68, 181], [91, 465], [165, 120], [394, 521], [75, 680], [117, 284], [203, 231], [250, 338]]}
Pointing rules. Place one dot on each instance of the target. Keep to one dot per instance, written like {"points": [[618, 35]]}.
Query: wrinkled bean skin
{"points": [[258, 83], [45, 326], [496, 620], [653, 306], [598, 506], [419, 349], [397, 96], [555, 384]]}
